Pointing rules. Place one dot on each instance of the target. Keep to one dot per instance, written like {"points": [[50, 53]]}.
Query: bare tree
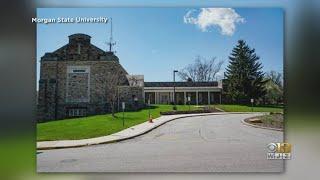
{"points": [[276, 78], [274, 87], [116, 77], [202, 70], [135, 80]]}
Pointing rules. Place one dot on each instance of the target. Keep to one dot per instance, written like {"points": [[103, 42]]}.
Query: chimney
{"points": [[79, 39]]}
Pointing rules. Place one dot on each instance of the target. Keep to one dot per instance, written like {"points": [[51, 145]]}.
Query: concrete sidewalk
{"points": [[122, 135]]}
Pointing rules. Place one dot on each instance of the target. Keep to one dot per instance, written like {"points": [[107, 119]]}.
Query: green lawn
{"points": [[99, 125], [244, 108]]}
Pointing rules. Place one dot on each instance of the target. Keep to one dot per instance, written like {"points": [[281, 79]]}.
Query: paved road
{"points": [[217, 143]]}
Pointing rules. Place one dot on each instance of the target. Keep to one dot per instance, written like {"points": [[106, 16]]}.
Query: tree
{"points": [[116, 77], [245, 78], [201, 70], [135, 80], [274, 87], [276, 78]]}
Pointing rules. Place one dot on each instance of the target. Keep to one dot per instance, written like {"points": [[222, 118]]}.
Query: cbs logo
{"points": [[279, 151]]}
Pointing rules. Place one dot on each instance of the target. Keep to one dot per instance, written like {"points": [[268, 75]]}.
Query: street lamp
{"points": [[174, 90]]}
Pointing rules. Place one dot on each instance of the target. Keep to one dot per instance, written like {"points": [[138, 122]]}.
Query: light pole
{"points": [[174, 90]]}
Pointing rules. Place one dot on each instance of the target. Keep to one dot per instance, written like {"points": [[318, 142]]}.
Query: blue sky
{"points": [[155, 41]]}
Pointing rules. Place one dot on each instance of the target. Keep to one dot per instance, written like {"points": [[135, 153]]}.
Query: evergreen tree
{"points": [[244, 75]]}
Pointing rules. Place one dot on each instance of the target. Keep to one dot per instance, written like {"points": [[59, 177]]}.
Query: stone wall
{"points": [[78, 87], [72, 88], [132, 96]]}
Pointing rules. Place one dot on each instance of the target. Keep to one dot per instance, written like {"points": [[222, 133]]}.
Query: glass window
{"points": [[79, 71], [76, 112]]}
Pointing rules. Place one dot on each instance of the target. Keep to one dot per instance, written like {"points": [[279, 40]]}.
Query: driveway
{"points": [[216, 143]]}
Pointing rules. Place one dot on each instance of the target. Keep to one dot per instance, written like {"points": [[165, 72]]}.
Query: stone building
{"points": [[80, 79]]}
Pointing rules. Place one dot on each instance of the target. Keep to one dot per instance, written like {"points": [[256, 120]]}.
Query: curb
{"points": [[261, 127], [132, 136], [220, 109]]}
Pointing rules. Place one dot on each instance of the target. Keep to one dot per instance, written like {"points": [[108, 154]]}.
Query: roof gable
{"points": [[80, 48]]}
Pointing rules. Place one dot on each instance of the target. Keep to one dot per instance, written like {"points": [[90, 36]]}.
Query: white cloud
{"points": [[225, 18]]}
